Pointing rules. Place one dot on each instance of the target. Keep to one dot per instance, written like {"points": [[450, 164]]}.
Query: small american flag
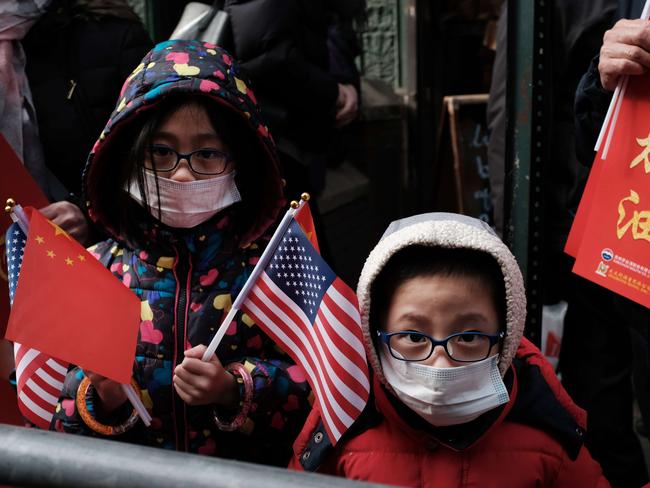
{"points": [[314, 316], [39, 377]]}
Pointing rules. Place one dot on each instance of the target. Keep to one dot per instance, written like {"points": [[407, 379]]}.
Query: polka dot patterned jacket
{"points": [[187, 279]]}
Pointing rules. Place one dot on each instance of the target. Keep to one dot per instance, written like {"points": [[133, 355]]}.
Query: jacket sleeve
{"points": [[280, 401], [584, 472], [591, 104], [67, 418]]}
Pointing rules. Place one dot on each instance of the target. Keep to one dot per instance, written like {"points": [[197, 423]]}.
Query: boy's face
{"points": [[440, 306]]}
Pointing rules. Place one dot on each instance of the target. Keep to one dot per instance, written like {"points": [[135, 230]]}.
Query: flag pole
{"points": [[617, 109], [257, 271], [18, 215]]}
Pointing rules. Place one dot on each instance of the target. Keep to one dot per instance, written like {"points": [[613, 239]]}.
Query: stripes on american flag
{"points": [[313, 315], [39, 378]]}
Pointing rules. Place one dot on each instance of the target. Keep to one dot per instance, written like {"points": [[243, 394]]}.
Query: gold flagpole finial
{"points": [[305, 196], [294, 205], [11, 203]]}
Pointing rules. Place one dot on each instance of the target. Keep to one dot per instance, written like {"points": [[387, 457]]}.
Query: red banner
{"points": [[16, 183], [613, 248]]}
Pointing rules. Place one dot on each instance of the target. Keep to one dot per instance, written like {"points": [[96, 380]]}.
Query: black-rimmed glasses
{"points": [[204, 161], [464, 347]]}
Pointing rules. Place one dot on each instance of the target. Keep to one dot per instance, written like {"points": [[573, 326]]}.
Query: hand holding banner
{"points": [[615, 247]]}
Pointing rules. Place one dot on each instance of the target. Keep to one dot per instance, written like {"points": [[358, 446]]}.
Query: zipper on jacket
{"points": [[181, 272]]}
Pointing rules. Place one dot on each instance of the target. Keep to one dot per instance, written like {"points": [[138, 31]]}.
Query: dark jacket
{"points": [[283, 48], [187, 279], [75, 67], [533, 441], [591, 99]]}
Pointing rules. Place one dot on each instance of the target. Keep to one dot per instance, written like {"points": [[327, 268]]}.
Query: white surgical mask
{"points": [[446, 396], [186, 204]]}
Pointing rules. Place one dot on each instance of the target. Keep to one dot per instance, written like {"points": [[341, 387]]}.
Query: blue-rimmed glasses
{"points": [[204, 161], [464, 347]]}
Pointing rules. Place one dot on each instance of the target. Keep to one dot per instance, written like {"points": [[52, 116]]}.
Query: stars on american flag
{"points": [[15, 251], [293, 268], [296, 269]]}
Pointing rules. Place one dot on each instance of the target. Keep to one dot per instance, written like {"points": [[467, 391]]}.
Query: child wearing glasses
{"points": [[460, 399], [185, 181]]}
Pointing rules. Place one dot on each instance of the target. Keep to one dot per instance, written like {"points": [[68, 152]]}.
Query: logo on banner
{"points": [[607, 254], [602, 269]]}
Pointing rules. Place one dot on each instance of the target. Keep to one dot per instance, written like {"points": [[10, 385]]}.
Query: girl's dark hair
{"points": [[124, 158], [421, 261]]}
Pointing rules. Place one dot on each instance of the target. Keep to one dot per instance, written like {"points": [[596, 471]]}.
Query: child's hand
{"points": [[204, 382], [111, 394]]}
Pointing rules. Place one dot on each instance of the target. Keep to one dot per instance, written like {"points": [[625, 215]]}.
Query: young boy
{"points": [[460, 399]]}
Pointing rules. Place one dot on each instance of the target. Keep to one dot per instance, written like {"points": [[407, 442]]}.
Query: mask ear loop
{"points": [[155, 176]]}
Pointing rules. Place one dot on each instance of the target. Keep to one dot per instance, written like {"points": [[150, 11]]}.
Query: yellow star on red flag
{"points": [[58, 230]]}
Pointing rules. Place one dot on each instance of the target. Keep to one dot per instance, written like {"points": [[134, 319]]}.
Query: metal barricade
{"points": [[30, 457]]}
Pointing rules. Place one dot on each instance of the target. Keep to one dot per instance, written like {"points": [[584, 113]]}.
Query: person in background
{"points": [[77, 55], [596, 375], [301, 63], [606, 380], [460, 399], [62, 63]]}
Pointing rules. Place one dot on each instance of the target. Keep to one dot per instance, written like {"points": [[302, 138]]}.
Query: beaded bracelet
{"points": [[84, 401], [243, 377]]}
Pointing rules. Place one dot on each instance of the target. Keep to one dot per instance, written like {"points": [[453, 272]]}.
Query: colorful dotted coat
{"points": [[188, 279]]}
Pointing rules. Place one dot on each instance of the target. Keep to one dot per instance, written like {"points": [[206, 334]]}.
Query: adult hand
{"points": [[110, 392], [347, 105], [200, 382], [625, 51], [70, 218]]}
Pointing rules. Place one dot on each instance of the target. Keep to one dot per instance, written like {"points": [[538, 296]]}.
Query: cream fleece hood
{"points": [[450, 231]]}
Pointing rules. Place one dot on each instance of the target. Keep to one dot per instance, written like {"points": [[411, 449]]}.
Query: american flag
{"points": [[314, 316], [39, 377]]}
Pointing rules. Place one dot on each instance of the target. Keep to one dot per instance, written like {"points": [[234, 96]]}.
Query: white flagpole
{"points": [[610, 109], [252, 279], [617, 98], [619, 103], [18, 215]]}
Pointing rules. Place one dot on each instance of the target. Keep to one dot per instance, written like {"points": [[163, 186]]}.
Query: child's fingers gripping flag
{"points": [[313, 315], [39, 377]]}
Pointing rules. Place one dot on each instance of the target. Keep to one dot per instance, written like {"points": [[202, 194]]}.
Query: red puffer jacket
{"points": [[533, 441]]}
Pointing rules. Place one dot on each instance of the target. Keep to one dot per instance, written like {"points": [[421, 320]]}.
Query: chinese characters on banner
{"points": [[611, 234]]}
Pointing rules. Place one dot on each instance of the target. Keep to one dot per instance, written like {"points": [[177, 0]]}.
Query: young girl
{"points": [[184, 179], [460, 399]]}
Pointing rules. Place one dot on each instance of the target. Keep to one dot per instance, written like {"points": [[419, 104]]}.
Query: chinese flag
{"points": [[306, 222], [69, 306], [16, 183]]}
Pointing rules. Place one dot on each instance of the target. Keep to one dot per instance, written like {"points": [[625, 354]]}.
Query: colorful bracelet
{"points": [[85, 406], [243, 377]]}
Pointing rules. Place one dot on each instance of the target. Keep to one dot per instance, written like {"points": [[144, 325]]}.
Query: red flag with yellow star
{"points": [[69, 306], [306, 221]]}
